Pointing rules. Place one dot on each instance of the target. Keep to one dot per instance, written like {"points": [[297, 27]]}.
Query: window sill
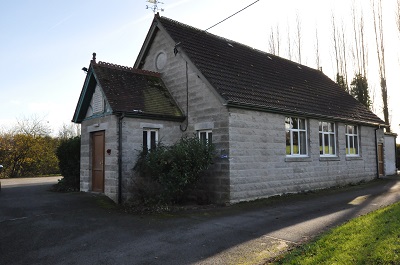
{"points": [[329, 158], [298, 159], [350, 158]]}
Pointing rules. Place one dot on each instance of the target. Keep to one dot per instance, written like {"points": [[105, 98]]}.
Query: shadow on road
{"points": [[42, 227]]}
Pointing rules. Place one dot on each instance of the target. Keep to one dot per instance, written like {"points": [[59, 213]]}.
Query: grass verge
{"points": [[370, 239]]}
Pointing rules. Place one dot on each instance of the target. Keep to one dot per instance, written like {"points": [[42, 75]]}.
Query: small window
{"points": [[150, 139], [352, 140], [296, 136], [205, 136], [327, 139]]}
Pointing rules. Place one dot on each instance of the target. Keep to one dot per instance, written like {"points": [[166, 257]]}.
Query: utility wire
{"points": [[232, 15], [175, 49]]}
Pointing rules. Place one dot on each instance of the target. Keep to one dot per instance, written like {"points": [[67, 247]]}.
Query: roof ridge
{"points": [[128, 69]]}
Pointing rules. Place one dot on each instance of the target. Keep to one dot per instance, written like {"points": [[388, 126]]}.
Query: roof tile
{"points": [[245, 76]]}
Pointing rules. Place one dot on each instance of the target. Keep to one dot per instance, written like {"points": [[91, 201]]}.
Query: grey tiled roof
{"points": [[131, 91], [246, 77]]}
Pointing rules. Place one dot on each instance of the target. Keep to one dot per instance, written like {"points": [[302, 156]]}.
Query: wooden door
{"points": [[380, 160], [98, 161]]}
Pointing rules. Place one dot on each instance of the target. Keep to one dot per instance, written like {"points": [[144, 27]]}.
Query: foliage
{"points": [[369, 239], [172, 171], [359, 90], [341, 81], [24, 155], [68, 153]]}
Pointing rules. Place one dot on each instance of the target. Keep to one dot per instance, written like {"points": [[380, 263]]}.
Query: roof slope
{"points": [[246, 77], [132, 91]]}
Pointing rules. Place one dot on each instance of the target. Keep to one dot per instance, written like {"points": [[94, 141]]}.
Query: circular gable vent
{"points": [[161, 60]]}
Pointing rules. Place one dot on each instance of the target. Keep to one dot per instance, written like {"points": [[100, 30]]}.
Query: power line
{"points": [[175, 48], [232, 15]]}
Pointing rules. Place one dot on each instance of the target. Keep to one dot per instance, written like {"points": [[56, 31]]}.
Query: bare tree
{"points": [[69, 131], [298, 37], [359, 88], [289, 42], [339, 43], [360, 52], [274, 41], [380, 51], [317, 56], [33, 126], [398, 15]]}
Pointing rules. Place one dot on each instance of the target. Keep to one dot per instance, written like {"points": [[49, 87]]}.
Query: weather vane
{"points": [[154, 7]]}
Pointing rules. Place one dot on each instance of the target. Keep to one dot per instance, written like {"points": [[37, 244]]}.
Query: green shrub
{"points": [[172, 171], [68, 153]]}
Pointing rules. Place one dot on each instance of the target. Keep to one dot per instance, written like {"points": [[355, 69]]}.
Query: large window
{"points": [[296, 136], [150, 139], [352, 141], [327, 139], [205, 136]]}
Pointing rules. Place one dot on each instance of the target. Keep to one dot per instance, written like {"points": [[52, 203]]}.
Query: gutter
{"points": [[143, 115], [120, 117], [250, 106], [376, 153]]}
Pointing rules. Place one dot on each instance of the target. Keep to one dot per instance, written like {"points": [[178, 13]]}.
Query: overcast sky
{"points": [[45, 44]]}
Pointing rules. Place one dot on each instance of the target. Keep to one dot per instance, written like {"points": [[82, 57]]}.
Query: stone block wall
{"points": [[205, 110], [260, 168], [108, 124]]}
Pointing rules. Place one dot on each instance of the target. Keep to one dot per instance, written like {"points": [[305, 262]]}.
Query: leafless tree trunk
{"points": [[361, 50], [298, 37], [274, 41], [317, 57], [398, 15], [339, 42], [289, 42], [335, 43], [380, 51]]}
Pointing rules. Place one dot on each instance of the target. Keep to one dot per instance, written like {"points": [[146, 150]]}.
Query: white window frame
{"points": [[331, 135], [352, 138], [148, 132], [293, 130], [208, 134]]}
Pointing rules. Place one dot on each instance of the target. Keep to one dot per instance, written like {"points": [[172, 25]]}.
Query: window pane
{"points": [[210, 137], [302, 123], [326, 141], [153, 140], [321, 145], [356, 145], [203, 137], [331, 127], [144, 140], [325, 127], [288, 149], [349, 129], [295, 142], [295, 123], [303, 143], [332, 144], [355, 129], [320, 126], [351, 146]]}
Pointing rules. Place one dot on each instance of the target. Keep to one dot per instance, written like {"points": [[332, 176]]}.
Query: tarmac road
{"points": [[42, 227]]}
